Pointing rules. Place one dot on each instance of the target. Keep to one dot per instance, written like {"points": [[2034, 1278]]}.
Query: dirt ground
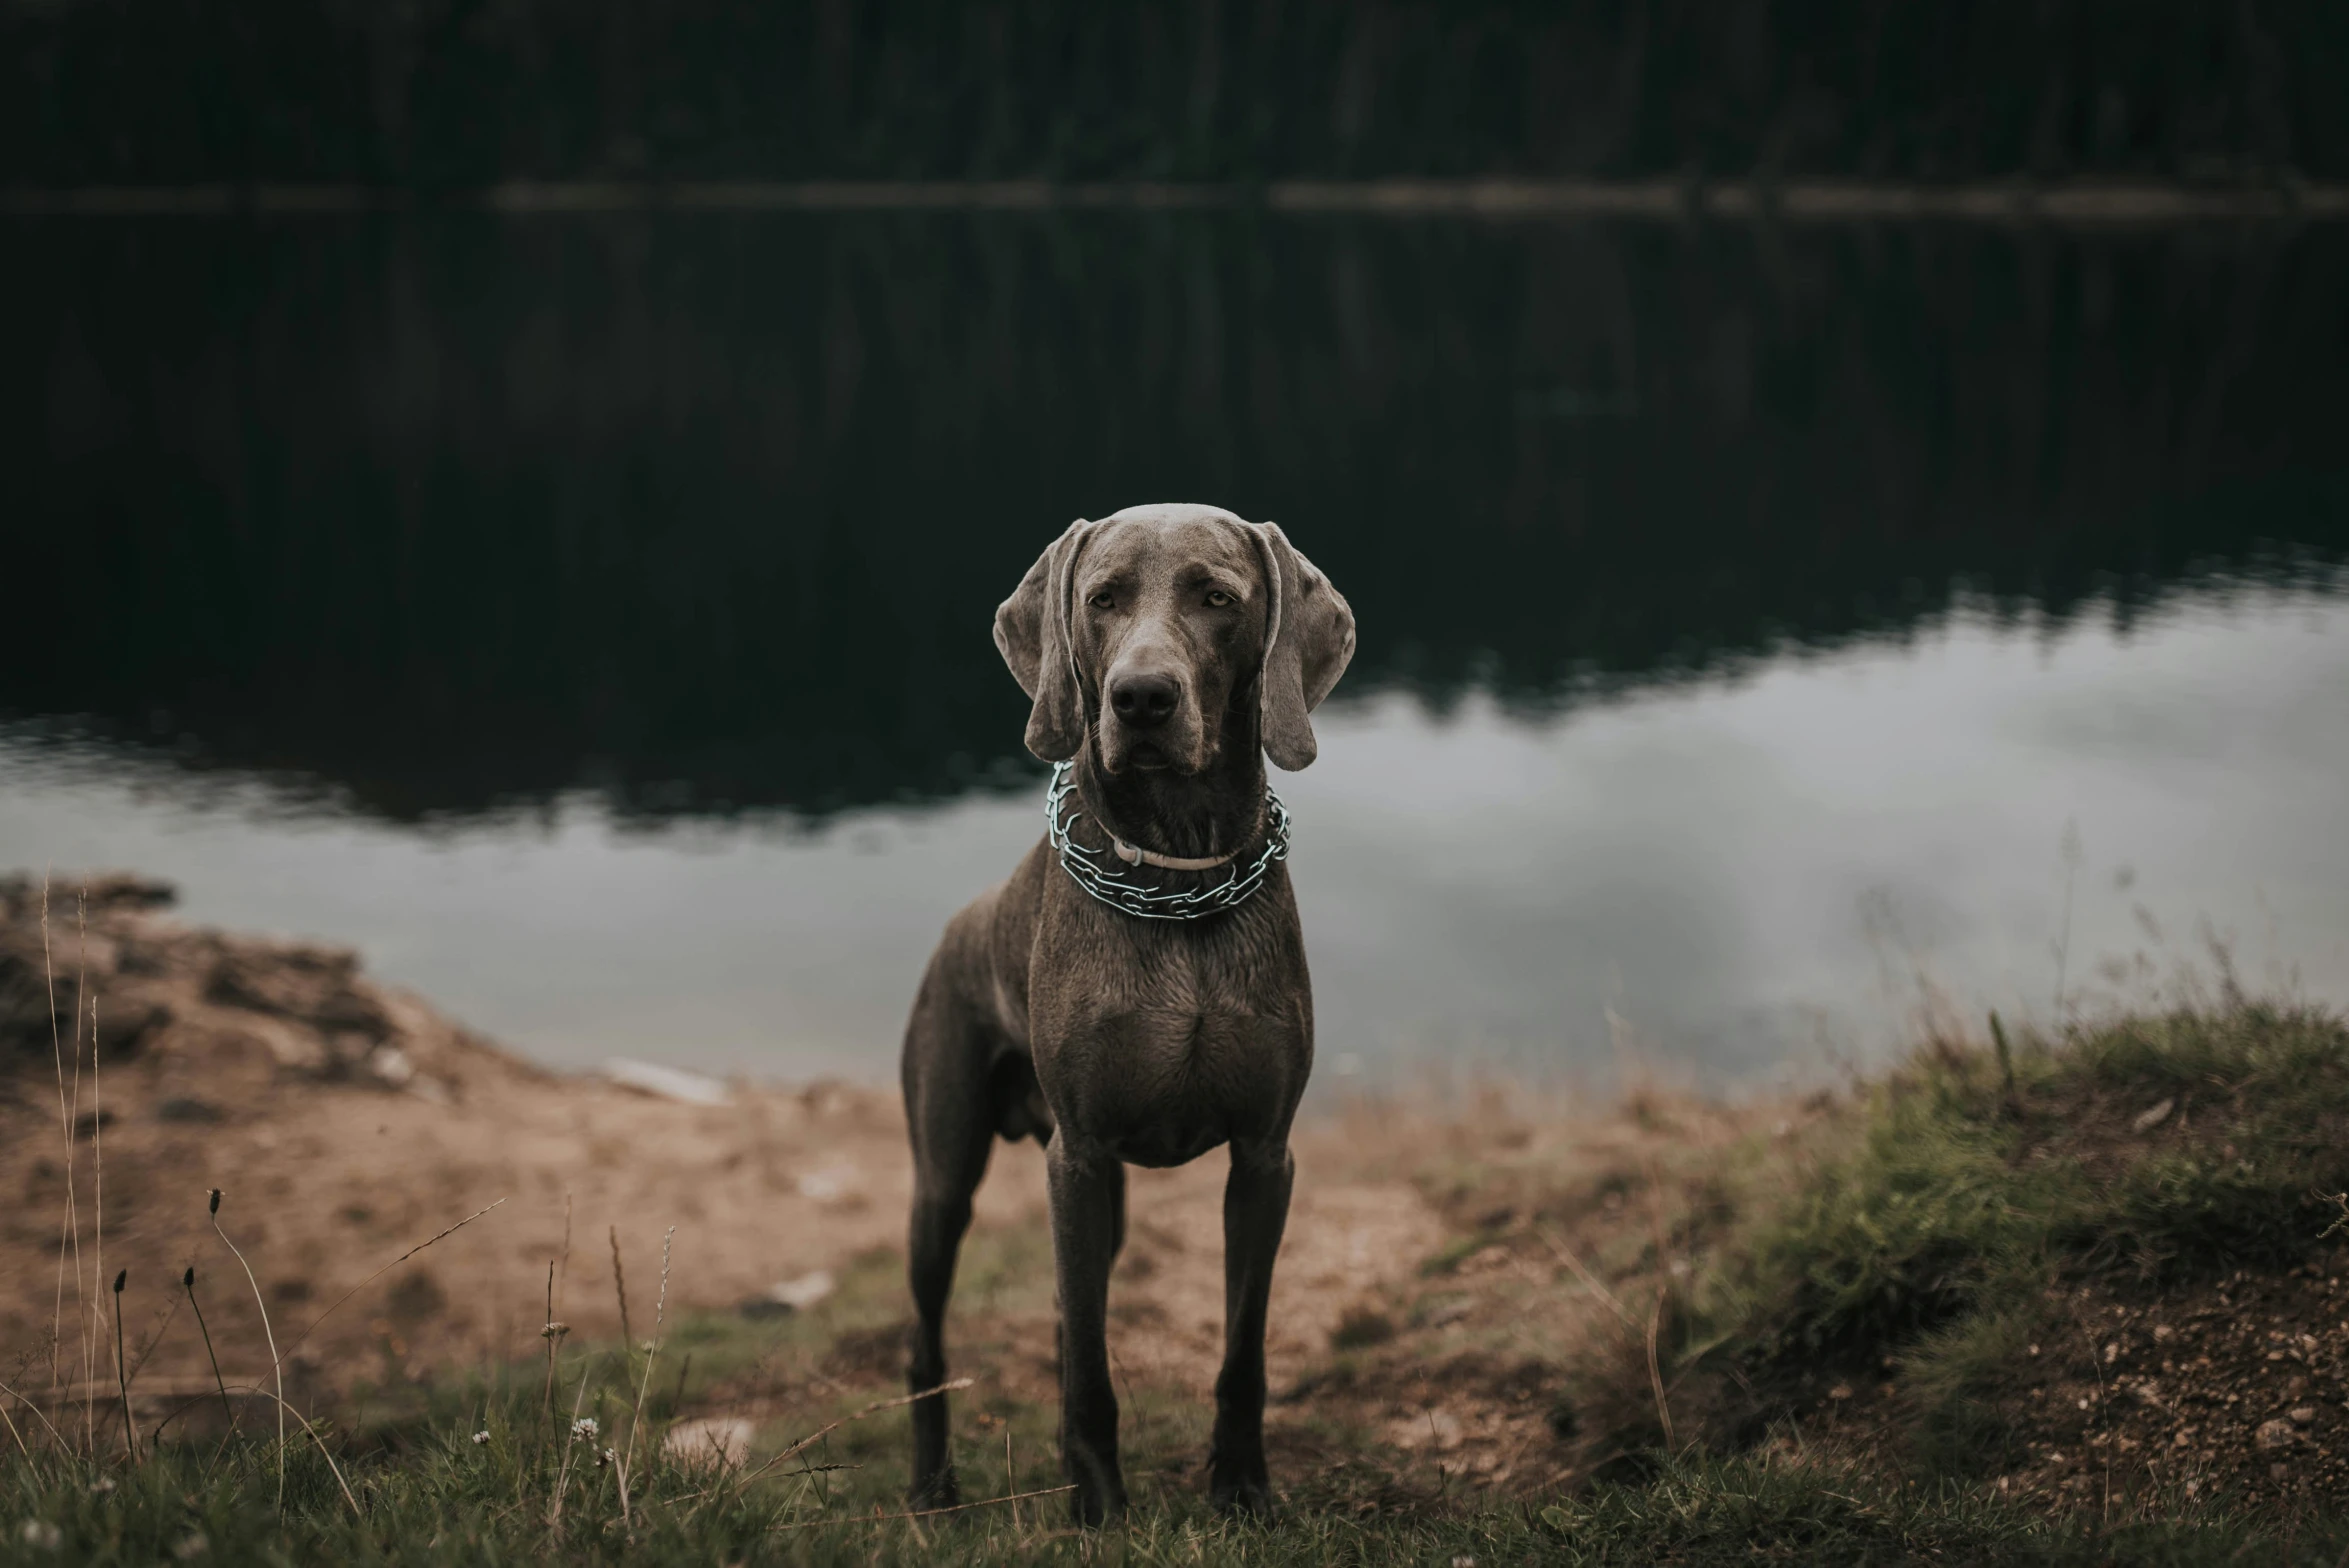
{"points": [[344, 1123]]}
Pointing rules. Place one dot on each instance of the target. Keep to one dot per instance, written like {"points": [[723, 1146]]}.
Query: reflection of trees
{"points": [[455, 92], [715, 510]]}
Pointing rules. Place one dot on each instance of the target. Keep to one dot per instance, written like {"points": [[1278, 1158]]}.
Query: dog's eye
{"points": [[1102, 600], [1217, 598]]}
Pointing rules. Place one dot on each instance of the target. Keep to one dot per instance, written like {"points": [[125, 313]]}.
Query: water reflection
{"points": [[589, 618], [706, 514], [1728, 880]]}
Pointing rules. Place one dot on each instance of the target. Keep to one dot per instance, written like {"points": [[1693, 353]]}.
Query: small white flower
{"points": [[40, 1535], [480, 1438], [584, 1429], [605, 1458]]}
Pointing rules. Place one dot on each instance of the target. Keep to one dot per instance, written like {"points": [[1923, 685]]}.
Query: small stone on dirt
{"points": [[666, 1083], [803, 1291], [2154, 1116], [830, 1184], [710, 1440], [2302, 1415], [2275, 1434]]}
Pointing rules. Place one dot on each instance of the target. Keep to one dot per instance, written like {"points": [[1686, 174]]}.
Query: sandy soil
{"points": [[344, 1123]]}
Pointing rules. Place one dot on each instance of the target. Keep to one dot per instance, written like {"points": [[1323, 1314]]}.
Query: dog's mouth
{"points": [[1146, 756]]}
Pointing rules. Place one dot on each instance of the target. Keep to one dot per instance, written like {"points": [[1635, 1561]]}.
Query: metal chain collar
{"points": [[1116, 884]]}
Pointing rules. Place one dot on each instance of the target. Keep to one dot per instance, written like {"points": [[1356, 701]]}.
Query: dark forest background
{"points": [[448, 94]]}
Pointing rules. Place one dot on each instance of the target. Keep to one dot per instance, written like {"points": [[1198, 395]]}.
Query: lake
{"points": [[1766, 630]]}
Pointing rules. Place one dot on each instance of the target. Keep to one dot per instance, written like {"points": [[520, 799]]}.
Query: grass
{"points": [[438, 1497], [1968, 1194], [1721, 1264], [1961, 1196], [1722, 1275]]}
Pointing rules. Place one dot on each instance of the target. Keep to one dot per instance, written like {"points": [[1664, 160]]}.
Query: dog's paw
{"points": [[1092, 1509], [935, 1491], [1245, 1497]]}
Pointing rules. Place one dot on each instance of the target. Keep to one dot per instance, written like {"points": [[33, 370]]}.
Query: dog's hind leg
{"points": [[1255, 1210], [947, 1117]]}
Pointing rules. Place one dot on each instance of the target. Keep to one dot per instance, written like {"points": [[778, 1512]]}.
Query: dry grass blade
{"points": [[68, 1228], [386, 1269], [660, 1315], [276, 1366], [1590, 1281], [324, 1453], [1656, 1370], [554, 1508], [21, 1446], [620, 1284], [873, 1409], [928, 1513], [36, 1410], [98, 1191], [130, 1433], [82, 1306], [188, 1283]]}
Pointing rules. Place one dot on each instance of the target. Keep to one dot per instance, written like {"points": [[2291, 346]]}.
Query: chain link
{"points": [[1115, 884]]}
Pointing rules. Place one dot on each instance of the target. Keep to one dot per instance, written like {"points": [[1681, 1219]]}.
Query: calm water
{"points": [[588, 618]]}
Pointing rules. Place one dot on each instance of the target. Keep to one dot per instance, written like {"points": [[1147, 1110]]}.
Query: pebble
{"points": [[2275, 1434], [711, 1440], [2302, 1415]]}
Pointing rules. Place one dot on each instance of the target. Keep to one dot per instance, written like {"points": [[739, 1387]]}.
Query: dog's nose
{"points": [[1144, 701]]}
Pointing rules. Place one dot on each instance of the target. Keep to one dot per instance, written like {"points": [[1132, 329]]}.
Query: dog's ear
{"points": [[1311, 628], [1032, 633]]}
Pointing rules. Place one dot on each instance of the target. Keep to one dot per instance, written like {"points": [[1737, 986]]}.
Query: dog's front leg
{"points": [[1088, 1197], [1255, 1208]]}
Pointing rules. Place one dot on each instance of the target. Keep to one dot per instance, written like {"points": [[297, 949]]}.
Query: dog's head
{"points": [[1148, 626]]}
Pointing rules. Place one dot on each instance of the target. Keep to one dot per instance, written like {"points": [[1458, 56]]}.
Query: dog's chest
{"points": [[1185, 1041]]}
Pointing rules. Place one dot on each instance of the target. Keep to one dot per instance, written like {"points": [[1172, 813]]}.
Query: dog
{"points": [[1136, 992]]}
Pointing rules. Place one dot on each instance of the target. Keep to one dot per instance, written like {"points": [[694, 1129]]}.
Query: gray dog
{"points": [[1136, 992]]}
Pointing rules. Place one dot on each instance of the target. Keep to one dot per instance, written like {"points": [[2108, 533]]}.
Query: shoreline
{"points": [[2068, 204]]}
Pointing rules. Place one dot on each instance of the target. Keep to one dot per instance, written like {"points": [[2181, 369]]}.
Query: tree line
{"points": [[454, 94]]}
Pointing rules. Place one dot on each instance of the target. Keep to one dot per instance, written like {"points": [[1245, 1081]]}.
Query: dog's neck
{"points": [[1217, 811]]}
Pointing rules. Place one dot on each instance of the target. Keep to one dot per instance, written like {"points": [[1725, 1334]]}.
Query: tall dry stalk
{"points": [[553, 1334], [652, 1346], [188, 1283], [98, 1187], [563, 1273], [69, 1235], [276, 1366], [620, 1283], [554, 1510], [130, 1436]]}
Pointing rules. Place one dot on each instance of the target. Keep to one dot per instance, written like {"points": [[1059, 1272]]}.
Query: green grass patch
{"points": [[1959, 1193], [453, 1501]]}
